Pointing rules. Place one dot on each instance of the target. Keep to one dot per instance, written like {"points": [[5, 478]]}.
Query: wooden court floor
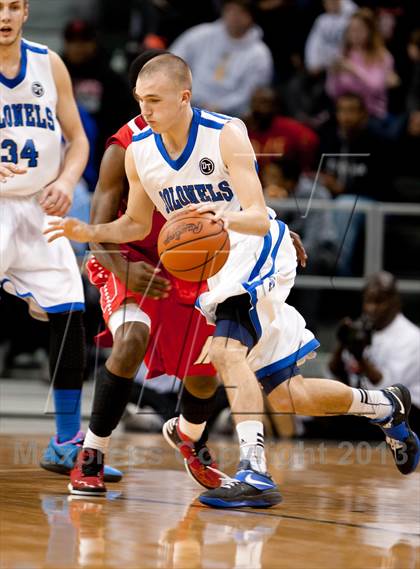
{"points": [[344, 507]]}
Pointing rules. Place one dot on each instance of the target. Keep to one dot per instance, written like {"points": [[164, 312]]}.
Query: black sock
{"points": [[112, 394], [67, 350]]}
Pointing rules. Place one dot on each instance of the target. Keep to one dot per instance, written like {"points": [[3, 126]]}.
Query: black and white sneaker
{"points": [[249, 489], [401, 440]]}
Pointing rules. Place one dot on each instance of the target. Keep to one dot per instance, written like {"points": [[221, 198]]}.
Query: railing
{"points": [[375, 213]]}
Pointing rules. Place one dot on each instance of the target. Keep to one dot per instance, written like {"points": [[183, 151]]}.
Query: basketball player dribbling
{"points": [[140, 308], [257, 336], [37, 108]]}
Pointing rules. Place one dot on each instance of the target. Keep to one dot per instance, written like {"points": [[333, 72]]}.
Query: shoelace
{"points": [[394, 444], [230, 483]]}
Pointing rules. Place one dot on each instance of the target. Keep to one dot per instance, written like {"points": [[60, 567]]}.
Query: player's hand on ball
{"points": [[56, 198], [9, 170], [300, 249], [71, 228], [219, 213], [144, 278]]}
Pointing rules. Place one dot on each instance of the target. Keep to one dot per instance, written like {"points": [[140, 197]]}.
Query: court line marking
{"points": [[280, 516]]}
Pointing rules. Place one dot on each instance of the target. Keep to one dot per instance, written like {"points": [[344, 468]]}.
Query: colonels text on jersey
{"points": [[197, 176], [30, 134]]}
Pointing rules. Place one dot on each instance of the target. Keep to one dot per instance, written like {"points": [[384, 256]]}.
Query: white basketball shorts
{"points": [[45, 275], [265, 268]]}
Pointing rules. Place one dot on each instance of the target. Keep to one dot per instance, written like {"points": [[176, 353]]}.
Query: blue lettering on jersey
{"points": [[27, 115], [40, 123], [17, 115], [226, 191], [179, 190], [29, 111], [182, 196], [215, 197], [176, 203], [201, 191], [50, 118], [189, 194], [164, 194]]}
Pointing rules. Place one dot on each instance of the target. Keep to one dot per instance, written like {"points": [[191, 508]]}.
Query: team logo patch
{"points": [[37, 89], [206, 166]]}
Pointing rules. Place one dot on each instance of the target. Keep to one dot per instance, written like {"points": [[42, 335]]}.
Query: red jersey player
{"points": [[150, 315]]}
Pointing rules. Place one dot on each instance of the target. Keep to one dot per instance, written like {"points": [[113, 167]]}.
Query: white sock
{"points": [[251, 440], [93, 441], [373, 404], [192, 430]]}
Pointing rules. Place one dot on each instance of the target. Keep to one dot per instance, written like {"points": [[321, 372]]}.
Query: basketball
{"points": [[192, 246]]}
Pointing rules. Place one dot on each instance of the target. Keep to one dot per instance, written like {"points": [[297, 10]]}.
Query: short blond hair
{"points": [[172, 65]]}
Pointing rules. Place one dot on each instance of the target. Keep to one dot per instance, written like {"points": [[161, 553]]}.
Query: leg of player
{"points": [[67, 369], [112, 393], [388, 408], [188, 432], [67, 362], [252, 485]]}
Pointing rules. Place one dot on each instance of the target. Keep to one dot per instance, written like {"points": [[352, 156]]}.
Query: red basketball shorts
{"points": [[179, 335]]}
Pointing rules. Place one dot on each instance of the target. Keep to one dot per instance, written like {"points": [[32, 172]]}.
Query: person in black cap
{"points": [[98, 89]]}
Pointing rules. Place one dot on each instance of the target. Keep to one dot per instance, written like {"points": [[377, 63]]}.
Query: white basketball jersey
{"points": [[198, 176], [30, 134]]}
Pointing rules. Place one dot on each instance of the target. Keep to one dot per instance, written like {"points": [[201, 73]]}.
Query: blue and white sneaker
{"points": [[401, 440], [61, 457], [249, 489]]}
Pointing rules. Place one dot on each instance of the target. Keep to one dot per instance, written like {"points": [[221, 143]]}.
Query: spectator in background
{"points": [[228, 59], [407, 180], [366, 66], [273, 135], [283, 178], [355, 166], [324, 43], [381, 348], [413, 49], [285, 25], [100, 91], [304, 94]]}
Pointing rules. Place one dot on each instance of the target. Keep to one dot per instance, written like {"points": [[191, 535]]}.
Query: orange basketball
{"points": [[192, 246]]}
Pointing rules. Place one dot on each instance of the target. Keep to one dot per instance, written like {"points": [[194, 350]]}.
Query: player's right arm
{"points": [[140, 276], [134, 225]]}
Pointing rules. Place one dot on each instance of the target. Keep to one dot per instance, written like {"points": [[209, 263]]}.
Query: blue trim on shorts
{"points": [[55, 309], [270, 382], [235, 331], [262, 258], [251, 288], [289, 360]]}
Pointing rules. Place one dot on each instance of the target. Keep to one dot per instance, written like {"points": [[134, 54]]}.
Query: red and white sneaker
{"points": [[198, 461], [87, 476]]}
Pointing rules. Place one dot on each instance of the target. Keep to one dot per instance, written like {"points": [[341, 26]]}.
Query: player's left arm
{"points": [[238, 156], [57, 197]]}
